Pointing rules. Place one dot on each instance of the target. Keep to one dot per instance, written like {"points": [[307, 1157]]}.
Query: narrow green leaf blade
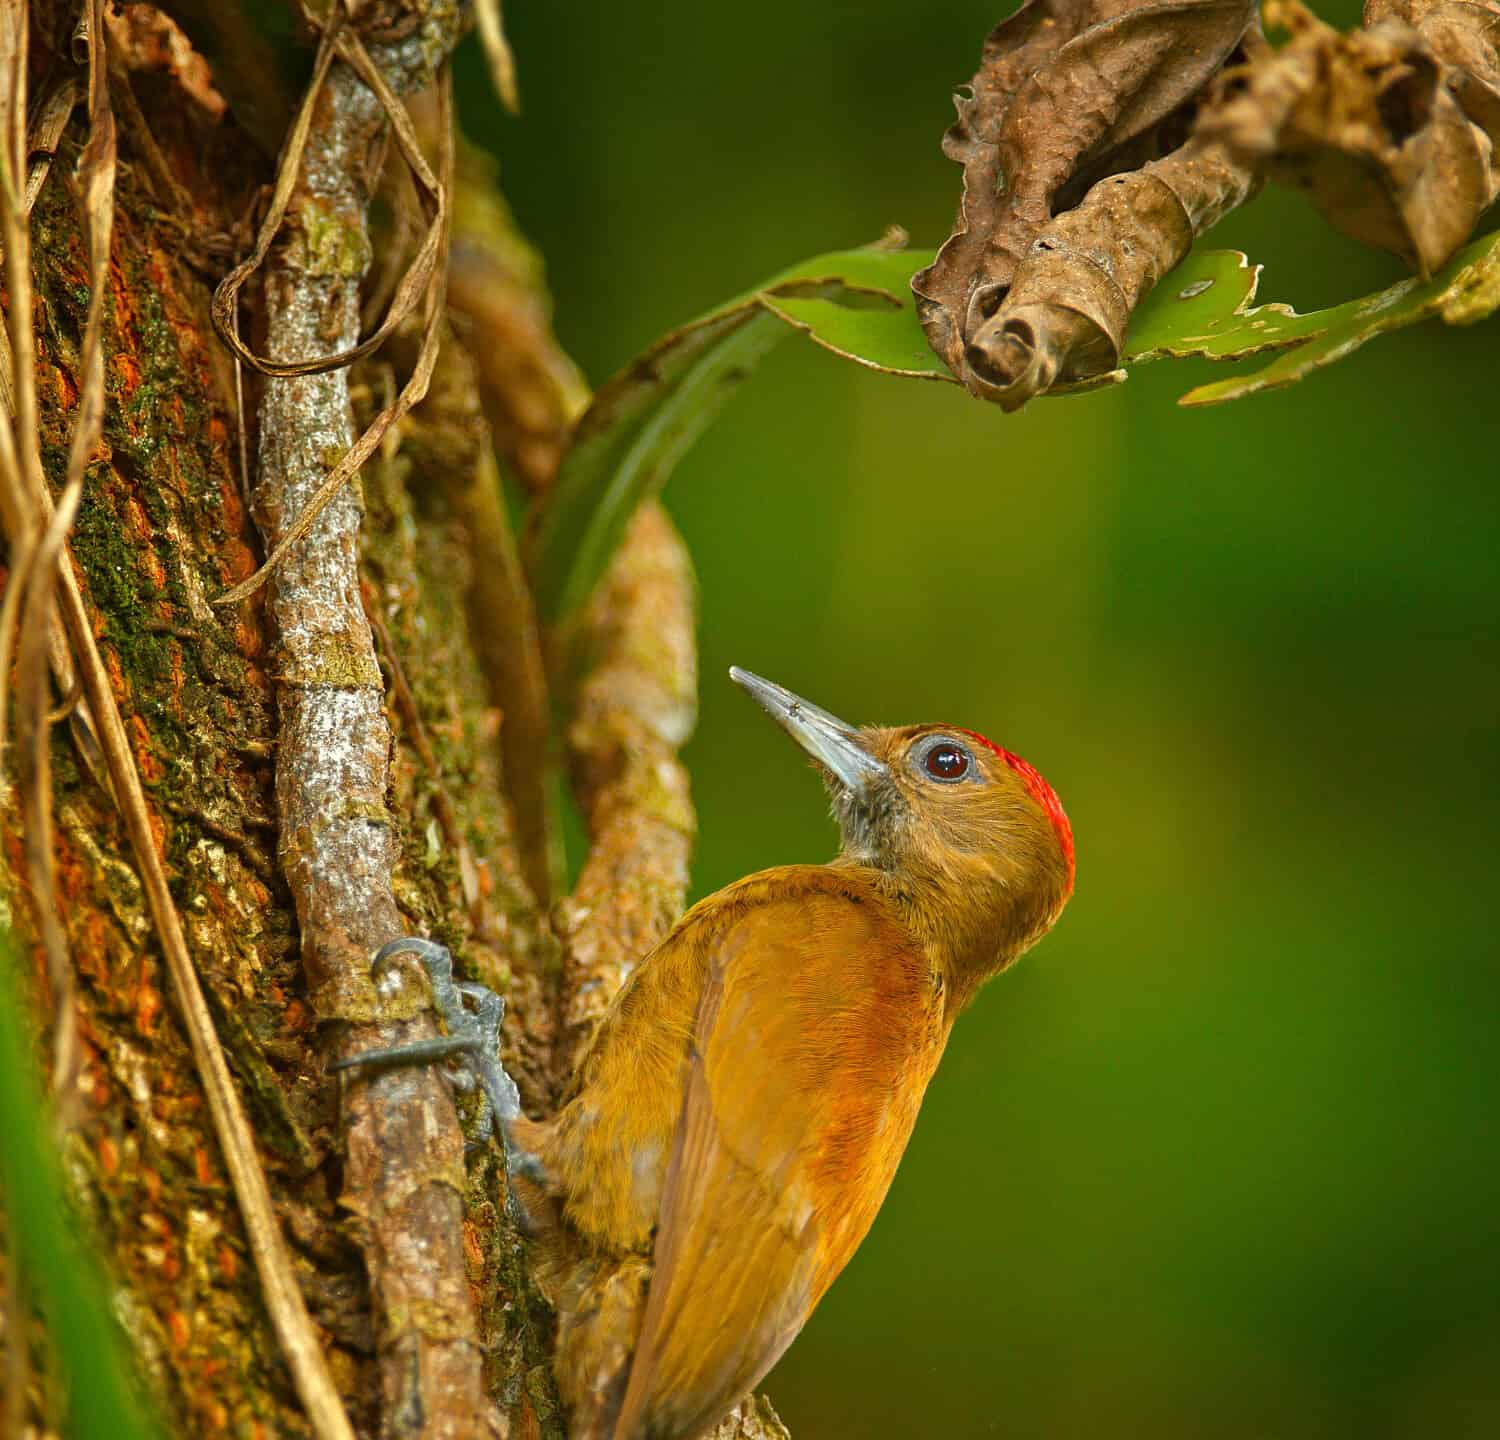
{"points": [[628, 442], [646, 417], [1202, 309], [1463, 291], [861, 308], [103, 1402]]}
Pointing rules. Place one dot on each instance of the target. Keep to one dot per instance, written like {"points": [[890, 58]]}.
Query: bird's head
{"points": [[973, 842]]}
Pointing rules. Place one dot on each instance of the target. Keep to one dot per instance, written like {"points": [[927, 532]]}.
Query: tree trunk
{"points": [[421, 1338]]}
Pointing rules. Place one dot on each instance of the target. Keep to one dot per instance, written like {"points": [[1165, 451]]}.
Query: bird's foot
{"points": [[473, 1038]]}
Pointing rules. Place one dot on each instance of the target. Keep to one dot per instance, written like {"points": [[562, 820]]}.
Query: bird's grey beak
{"points": [[834, 745]]}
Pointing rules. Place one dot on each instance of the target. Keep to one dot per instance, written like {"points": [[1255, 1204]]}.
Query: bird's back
{"points": [[816, 1022]]}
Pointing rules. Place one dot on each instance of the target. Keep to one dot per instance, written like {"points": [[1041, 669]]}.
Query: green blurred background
{"points": [[1219, 1159]]}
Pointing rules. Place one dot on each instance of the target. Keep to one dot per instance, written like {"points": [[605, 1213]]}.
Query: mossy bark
{"points": [[162, 530]]}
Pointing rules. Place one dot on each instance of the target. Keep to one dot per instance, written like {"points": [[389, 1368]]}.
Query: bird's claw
{"points": [[472, 1038]]}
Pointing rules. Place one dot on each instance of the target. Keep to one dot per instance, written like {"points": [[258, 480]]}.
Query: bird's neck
{"points": [[967, 939]]}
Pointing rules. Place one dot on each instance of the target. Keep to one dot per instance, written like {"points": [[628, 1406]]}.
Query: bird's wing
{"points": [[818, 1029]]}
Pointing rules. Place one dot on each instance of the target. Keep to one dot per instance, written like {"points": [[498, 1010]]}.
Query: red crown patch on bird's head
{"points": [[1040, 791]]}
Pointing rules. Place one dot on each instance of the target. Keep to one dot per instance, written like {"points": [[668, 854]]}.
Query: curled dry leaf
{"points": [[1063, 321], [1390, 130], [1072, 93]]}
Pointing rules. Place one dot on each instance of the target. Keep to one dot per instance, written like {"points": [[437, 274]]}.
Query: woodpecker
{"points": [[732, 1128]]}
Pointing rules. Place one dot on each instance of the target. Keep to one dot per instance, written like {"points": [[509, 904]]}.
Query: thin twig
{"points": [[241, 426]]}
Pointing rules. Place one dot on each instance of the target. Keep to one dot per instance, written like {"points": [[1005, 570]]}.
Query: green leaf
{"points": [[103, 1404], [1465, 290], [867, 314], [856, 303], [627, 443], [1188, 314]]}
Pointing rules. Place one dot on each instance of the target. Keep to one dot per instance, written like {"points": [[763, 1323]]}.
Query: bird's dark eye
{"points": [[947, 761]]}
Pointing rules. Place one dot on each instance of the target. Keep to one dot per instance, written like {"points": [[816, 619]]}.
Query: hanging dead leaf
{"points": [[1069, 94], [1063, 319], [1390, 130]]}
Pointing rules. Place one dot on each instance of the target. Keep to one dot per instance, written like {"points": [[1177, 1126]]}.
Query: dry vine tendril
{"points": [[421, 285]]}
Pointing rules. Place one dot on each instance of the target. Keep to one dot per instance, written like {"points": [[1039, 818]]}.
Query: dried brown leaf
{"points": [[497, 53], [52, 118], [1063, 320], [1069, 93], [1390, 130]]}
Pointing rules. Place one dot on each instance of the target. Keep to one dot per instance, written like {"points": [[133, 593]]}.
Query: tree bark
{"points": [[431, 639]]}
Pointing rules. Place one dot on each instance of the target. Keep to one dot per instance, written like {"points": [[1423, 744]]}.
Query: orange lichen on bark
{"points": [[127, 373], [150, 767]]}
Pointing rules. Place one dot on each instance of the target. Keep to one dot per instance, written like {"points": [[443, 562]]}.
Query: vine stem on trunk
{"points": [[633, 708], [404, 1173]]}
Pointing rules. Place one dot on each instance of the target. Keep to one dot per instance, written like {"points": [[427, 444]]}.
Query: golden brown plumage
{"points": [[736, 1122]]}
